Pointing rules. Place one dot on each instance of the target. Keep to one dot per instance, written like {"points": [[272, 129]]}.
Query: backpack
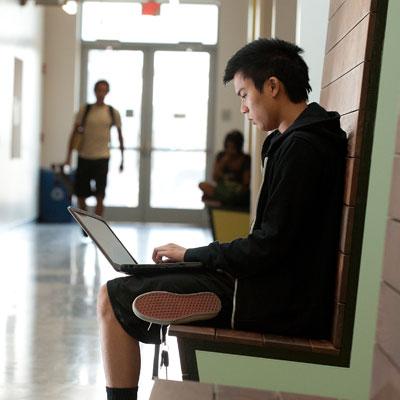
{"points": [[87, 109], [77, 137]]}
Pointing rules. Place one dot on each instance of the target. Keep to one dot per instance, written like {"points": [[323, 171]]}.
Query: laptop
{"points": [[119, 257]]}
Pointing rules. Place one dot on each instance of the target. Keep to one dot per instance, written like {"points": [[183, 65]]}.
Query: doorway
{"points": [[161, 70], [163, 94]]}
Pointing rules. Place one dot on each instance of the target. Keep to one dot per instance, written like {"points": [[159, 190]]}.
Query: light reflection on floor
{"points": [[48, 331]]}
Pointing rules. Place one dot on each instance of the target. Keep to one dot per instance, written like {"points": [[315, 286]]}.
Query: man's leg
{"points": [[100, 177], [82, 203], [121, 352], [99, 205], [82, 183], [121, 356]]}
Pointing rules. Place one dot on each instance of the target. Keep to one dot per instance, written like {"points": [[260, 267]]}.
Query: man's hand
{"points": [[170, 252]]}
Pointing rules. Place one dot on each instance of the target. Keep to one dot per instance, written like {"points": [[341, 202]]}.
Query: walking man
{"points": [[92, 130]]}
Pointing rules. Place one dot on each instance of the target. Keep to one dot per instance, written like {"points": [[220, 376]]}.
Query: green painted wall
{"points": [[346, 383]]}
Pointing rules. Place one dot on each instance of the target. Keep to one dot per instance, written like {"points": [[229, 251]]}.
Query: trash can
{"points": [[55, 195]]}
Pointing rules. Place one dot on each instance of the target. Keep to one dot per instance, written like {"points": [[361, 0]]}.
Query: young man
{"points": [[280, 278], [93, 153]]}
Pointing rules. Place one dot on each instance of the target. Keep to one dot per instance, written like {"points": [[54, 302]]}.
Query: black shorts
{"points": [[88, 171], [122, 292]]}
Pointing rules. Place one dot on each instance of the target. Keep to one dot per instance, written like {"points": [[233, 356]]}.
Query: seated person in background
{"points": [[231, 174]]}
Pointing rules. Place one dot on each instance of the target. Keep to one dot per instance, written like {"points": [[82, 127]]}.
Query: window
{"points": [[124, 22]]}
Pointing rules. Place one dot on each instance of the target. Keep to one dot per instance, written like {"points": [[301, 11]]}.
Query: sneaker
{"points": [[165, 308]]}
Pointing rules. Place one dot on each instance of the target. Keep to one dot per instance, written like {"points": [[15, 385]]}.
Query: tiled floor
{"points": [[50, 276]]}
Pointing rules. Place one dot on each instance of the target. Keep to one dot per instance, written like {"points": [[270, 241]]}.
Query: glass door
{"points": [[123, 69], [163, 98], [179, 129]]}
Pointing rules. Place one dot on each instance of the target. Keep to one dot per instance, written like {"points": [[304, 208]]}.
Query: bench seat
{"points": [[358, 117], [191, 338]]}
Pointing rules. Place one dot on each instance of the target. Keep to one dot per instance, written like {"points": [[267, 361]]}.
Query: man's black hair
{"points": [[263, 58], [102, 82], [236, 138]]}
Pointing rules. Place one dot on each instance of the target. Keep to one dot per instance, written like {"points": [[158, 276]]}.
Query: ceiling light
{"points": [[70, 7]]}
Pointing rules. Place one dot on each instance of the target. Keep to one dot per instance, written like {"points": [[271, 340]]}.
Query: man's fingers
{"points": [[169, 252], [159, 253], [156, 256]]}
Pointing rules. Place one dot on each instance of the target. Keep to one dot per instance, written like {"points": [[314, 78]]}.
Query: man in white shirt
{"points": [[93, 123]]}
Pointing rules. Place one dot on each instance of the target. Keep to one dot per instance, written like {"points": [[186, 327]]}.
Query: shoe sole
{"points": [[165, 308]]}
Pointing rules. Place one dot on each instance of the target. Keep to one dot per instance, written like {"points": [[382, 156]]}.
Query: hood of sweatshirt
{"points": [[314, 124]]}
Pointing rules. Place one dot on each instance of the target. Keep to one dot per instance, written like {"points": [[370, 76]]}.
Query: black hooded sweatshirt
{"points": [[285, 269]]}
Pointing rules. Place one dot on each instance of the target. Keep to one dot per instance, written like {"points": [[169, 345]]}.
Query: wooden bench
{"points": [[171, 390], [350, 82]]}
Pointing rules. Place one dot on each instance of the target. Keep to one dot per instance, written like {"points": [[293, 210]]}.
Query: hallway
{"points": [[50, 279]]}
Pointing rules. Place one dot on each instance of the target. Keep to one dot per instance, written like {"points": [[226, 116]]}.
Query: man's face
{"points": [[260, 108], [101, 91]]}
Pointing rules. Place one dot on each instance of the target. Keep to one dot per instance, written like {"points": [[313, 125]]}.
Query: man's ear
{"points": [[274, 85]]}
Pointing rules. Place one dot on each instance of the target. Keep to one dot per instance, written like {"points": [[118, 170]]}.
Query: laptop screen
{"points": [[106, 240]]}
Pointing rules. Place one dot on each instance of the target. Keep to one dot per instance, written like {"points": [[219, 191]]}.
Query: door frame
{"points": [[144, 213]]}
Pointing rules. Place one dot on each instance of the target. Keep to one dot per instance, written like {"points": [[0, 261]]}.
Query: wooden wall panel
{"points": [[351, 182], [346, 229], [338, 323], [334, 6], [167, 390], [389, 323], [171, 390], [353, 125], [344, 95], [386, 365], [349, 52], [291, 396], [236, 393], [346, 18], [355, 32], [385, 378], [398, 137], [342, 278], [391, 265]]}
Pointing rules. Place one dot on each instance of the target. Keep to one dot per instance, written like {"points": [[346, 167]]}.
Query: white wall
{"points": [[20, 37], [232, 36], [61, 83]]}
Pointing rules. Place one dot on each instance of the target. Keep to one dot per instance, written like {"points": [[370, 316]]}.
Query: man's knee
{"points": [[104, 308]]}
